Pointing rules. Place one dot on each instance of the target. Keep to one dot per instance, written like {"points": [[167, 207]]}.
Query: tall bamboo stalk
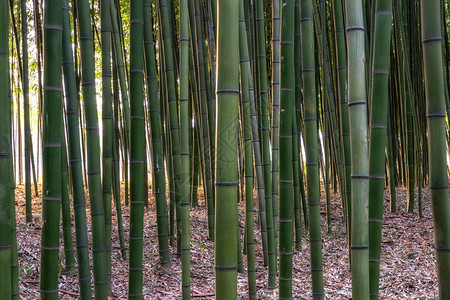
{"points": [[26, 111], [156, 131], [275, 113], [51, 152], [204, 120], [256, 149], [341, 62], [107, 128], [5, 157], [75, 162], [137, 150], [378, 125], [173, 124], [65, 209], [311, 145], [185, 200], [435, 103], [93, 149], [226, 177], [245, 71], [265, 137], [116, 158], [287, 95], [357, 106]]}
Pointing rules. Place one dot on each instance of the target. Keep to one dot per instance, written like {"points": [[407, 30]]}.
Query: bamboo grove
{"points": [[274, 104]]}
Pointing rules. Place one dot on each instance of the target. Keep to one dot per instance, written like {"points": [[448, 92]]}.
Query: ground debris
{"points": [[407, 268]]}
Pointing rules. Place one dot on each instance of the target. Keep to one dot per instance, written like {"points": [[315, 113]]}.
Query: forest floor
{"points": [[407, 268]]}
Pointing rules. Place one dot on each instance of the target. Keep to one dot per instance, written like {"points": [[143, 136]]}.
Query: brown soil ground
{"points": [[407, 269]]}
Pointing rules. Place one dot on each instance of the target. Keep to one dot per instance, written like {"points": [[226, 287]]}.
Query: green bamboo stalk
{"points": [[275, 114], [211, 51], [118, 47], [65, 210], [115, 158], [311, 139], [296, 180], [163, 104], [390, 158], [258, 169], [265, 139], [15, 291], [12, 264], [51, 152], [26, 112], [328, 115], [204, 122], [107, 128], [38, 40], [226, 177], [213, 6], [298, 101], [378, 124], [93, 149], [184, 149], [257, 156], [258, 164], [195, 166], [357, 106], [5, 157], [208, 85], [197, 143], [137, 150], [435, 102], [76, 171], [408, 93], [245, 71], [157, 153], [327, 146], [170, 72], [341, 62], [327, 92], [287, 95]]}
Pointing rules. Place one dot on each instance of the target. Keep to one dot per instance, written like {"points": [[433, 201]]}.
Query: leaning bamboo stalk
{"points": [[116, 158]]}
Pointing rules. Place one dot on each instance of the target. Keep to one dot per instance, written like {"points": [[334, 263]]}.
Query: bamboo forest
{"points": [[224, 149]]}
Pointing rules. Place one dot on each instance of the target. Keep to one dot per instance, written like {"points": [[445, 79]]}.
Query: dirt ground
{"points": [[407, 268]]}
